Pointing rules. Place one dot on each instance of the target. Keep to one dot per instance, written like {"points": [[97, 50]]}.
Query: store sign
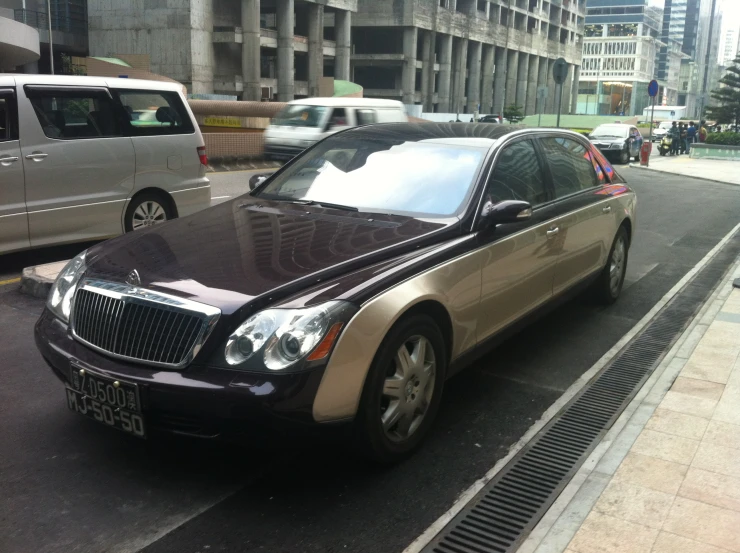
{"points": [[222, 122]]}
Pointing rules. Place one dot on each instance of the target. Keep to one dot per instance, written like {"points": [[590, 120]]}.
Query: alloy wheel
{"points": [[616, 266], [149, 213], [408, 389]]}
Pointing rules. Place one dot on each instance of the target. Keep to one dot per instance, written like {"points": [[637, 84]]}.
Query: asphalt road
{"points": [[68, 484]]}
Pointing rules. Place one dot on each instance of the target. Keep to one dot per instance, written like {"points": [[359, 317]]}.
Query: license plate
{"points": [[111, 402]]}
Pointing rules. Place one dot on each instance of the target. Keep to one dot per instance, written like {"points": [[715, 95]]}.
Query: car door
{"points": [[13, 216], [79, 168], [584, 225], [519, 261]]}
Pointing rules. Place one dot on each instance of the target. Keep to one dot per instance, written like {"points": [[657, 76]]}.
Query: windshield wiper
{"points": [[323, 204]]}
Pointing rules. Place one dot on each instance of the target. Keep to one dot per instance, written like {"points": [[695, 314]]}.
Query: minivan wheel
{"points": [[402, 391], [608, 286], [147, 210]]}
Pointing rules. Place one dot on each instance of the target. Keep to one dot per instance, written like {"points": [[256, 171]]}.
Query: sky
{"points": [[730, 19]]}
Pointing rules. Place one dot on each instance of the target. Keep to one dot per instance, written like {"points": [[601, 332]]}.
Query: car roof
{"points": [[81, 80], [615, 125], [348, 102]]}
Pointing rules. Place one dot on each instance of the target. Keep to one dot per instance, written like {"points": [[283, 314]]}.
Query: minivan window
{"points": [[294, 115], [75, 114], [570, 165], [155, 112], [517, 176], [8, 116], [366, 117]]}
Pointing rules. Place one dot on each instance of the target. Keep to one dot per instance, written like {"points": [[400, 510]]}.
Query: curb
{"points": [[36, 281], [638, 166]]}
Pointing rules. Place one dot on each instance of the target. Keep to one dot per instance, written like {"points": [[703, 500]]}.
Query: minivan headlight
{"points": [[63, 289], [278, 339]]}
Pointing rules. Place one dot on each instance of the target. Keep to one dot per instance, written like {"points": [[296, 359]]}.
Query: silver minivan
{"points": [[86, 158]]}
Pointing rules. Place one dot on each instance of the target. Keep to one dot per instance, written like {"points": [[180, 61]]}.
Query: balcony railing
{"points": [[64, 23]]}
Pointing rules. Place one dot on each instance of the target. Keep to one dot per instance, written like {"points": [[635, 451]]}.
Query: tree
{"points": [[728, 96], [513, 113]]}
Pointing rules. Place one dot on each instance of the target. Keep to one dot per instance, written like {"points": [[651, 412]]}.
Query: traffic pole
{"points": [[560, 103], [652, 116]]}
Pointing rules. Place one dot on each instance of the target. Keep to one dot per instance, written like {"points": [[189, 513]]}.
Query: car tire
{"points": [[146, 210], [608, 285], [624, 157], [402, 391]]}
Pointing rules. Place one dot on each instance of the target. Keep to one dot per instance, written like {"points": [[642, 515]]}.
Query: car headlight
{"points": [[617, 146], [278, 339], [63, 289]]}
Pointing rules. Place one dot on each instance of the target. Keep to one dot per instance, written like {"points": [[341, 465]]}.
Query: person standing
{"points": [[691, 134], [702, 132], [682, 135], [675, 134]]}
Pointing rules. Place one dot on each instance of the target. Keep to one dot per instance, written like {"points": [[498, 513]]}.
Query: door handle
{"points": [[552, 232], [8, 160], [36, 157], [607, 209]]}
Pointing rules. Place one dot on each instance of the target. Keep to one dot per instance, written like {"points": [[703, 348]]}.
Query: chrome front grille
{"points": [[140, 325]]}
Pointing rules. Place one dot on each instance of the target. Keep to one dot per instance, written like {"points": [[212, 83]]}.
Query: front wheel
{"points": [[402, 391], [147, 210], [624, 157], [608, 286]]}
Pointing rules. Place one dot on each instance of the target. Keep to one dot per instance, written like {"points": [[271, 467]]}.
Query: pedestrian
{"points": [[691, 134], [675, 134], [702, 132], [682, 138]]}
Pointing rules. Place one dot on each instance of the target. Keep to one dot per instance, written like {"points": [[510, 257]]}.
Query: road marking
{"points": [[10, 281], [220, 197], [465, 497]]}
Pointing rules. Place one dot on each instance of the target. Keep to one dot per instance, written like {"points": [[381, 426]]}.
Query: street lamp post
{"points": [[51, 41]]}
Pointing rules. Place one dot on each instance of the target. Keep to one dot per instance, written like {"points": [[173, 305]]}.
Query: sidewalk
{"points": [[727, 172], [668, 479]]}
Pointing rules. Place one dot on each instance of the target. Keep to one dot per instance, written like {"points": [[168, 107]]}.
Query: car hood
{"points": [[230, 254]]}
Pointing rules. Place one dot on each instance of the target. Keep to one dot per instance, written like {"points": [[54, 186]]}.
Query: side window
{"points": [[366, 117], [600, 175], [570, 164], [8, 116], [155, 112], [338, 118], [75, 114], [517, 176]]}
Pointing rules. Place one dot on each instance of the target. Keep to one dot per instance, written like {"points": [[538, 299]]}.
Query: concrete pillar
{"points": [[251, 50], [552, 91], [521, 81], [567, 90], [315, 47], [487, 85], [343, 32], [475, 55], [574, 94], [459, 71], [427, 72], [408, 77], [285, 59], [445, 73], [534, 67], [512, 64], [499, 81], [541, 106]]}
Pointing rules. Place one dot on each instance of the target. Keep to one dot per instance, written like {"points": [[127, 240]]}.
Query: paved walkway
{"points": [[668, 479], [710, 169]]}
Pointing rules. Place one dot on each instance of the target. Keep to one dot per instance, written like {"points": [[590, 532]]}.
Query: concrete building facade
{"points": [[459, 56], [254, 49]]}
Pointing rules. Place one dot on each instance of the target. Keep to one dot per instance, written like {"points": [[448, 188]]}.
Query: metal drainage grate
{"points": [[503, 513]]}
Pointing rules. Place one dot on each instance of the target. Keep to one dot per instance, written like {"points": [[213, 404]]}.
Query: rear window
{"points": [[155, 112]]}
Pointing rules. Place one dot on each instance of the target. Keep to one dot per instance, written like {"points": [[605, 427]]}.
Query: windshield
{"points": [[610, 131], [428, 179], [301, 116]]}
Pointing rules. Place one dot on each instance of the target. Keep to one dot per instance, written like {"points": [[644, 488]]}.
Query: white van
{"points": [[302, 123], [86, 158]]}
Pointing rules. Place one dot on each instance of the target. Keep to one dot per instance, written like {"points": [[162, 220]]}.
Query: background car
{"points": [[344, 289], [661, 131], [617, 141]]}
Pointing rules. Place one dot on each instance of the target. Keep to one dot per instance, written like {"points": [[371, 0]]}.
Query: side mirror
{"points": [[256, 180], [509, 211]]}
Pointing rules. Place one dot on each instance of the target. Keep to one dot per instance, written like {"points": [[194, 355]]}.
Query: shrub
{"points": [[584, 132], [724, 138]]}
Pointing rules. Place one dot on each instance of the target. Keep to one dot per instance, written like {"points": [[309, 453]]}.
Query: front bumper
{"points": [[280, 152], [200, 401]]}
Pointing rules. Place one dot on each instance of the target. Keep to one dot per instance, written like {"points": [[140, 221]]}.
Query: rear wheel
{"points": [[402, 391], [146, 210], [608, 286]]}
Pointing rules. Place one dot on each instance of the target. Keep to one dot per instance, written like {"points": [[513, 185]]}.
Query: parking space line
{"points": [[466, 496], [10, 281]]}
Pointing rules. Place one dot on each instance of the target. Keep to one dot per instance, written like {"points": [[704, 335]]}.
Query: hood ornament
{"points": [[133, 278]]}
